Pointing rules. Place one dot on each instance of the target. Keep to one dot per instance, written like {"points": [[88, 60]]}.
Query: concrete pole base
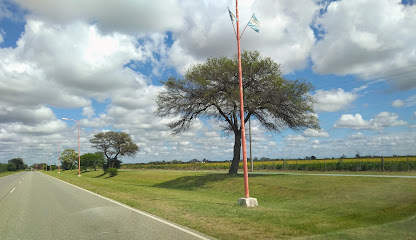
{"points": [[248, 202]]}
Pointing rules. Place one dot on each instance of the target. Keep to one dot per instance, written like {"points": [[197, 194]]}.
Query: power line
{"points": [[386, 76]]}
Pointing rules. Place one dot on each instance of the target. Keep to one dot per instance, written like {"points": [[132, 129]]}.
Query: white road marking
{"points": [[138, 211], [12, 190]]}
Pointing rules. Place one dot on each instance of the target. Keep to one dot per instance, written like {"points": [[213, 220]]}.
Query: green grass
{"points": [[290, 206], [6, 173]]}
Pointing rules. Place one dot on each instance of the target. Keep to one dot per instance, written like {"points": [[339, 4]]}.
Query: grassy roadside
{"points": [[7, 173], [291, 206]]}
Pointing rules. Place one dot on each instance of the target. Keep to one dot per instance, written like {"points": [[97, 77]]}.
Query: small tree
{"points": [[113, 145], [69, 159], [92, 160]]}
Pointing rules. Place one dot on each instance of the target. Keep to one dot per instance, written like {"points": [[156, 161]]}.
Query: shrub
{"points": [[112, 171], [11, 167]]}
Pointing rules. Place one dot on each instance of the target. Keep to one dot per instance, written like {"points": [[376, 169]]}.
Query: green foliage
{"points": [[114, 144], [69, 159], [18, 162], [112, 171], [3, 167], [11, 166], [92, 160], [211, 90]]}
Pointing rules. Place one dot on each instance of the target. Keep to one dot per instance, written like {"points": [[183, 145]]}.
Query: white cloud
{"points": [[128, 16], [72, 53], [88, 111], [357, 135], [360, 39], [398, 103], [333, 100], [411, 101], [295, 138], [352, 121], [2, 33], [381, 121], [315, 133]]}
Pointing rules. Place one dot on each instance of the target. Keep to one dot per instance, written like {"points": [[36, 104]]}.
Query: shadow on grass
{"points": [[104, 173], [193, 182]]}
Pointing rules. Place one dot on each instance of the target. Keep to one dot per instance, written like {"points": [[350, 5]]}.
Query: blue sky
{"points": [[101, 62]]}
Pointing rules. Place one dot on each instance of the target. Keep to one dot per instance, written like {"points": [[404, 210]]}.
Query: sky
{"points": [[102, 62]]}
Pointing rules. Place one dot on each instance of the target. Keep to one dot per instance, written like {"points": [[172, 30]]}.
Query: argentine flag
{"points": [[254, 23], [233, 18]]}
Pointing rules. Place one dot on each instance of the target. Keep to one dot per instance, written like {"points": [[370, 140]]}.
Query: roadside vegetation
{"points": [[290, 206], [13, 165], [395, 163]]}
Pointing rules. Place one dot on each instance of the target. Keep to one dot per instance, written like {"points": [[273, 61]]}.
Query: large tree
{"points": [[114, 144], [18, 162], [211, 90]]}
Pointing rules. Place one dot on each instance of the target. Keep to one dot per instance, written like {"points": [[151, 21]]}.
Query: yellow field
{"points": [[271, 163]]}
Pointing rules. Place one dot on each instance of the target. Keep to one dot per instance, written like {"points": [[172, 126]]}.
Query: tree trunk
{"points": [[237, 151]]}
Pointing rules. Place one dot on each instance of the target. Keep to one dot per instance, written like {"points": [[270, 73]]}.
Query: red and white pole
{"points": [[243, 132], [79, 154]]}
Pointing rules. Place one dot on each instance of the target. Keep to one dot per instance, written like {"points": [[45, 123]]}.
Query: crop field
{"points": [[347, 164], [290, 206]]}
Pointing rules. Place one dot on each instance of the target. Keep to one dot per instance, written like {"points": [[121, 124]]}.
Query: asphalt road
{"points": [[36, 206]]}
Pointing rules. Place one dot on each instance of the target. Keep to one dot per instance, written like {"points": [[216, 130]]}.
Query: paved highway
{"points": [[36, 206]]}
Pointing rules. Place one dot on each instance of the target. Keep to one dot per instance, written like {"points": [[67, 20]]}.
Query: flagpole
{"points": [[243, 132]]}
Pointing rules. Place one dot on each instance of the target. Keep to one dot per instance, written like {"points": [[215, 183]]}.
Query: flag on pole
{"points": [[232, 16], [253, 23]]}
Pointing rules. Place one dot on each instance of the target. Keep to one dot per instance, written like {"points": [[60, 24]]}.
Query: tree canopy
{"points": [[92, 160], [69, 159], [211, 90], [18, 162], [114, 144]]}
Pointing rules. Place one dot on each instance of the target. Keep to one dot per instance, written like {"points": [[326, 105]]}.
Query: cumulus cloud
{"points": [[88, 111], [295, 138], [398, 103], [371, 43], [381, 121], [72, 53], [315, 133], [357, 135], [128, 16], [333, 100]]}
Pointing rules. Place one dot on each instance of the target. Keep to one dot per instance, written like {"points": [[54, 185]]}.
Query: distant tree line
{"points": [[14, 164]]}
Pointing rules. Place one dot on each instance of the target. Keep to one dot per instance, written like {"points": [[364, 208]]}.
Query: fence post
{"points": [[284, 162], [325, 164], [382, 163], [407, 162]]}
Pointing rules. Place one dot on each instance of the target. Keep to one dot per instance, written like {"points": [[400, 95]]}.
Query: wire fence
{"points": [[403, 163]]}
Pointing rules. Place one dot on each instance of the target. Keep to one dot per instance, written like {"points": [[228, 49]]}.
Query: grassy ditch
{"points": [[290, 206]]}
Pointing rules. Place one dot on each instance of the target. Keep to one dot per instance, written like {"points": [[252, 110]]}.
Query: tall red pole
{"points": [[243, 131], [79, 154], [59, 155]]}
